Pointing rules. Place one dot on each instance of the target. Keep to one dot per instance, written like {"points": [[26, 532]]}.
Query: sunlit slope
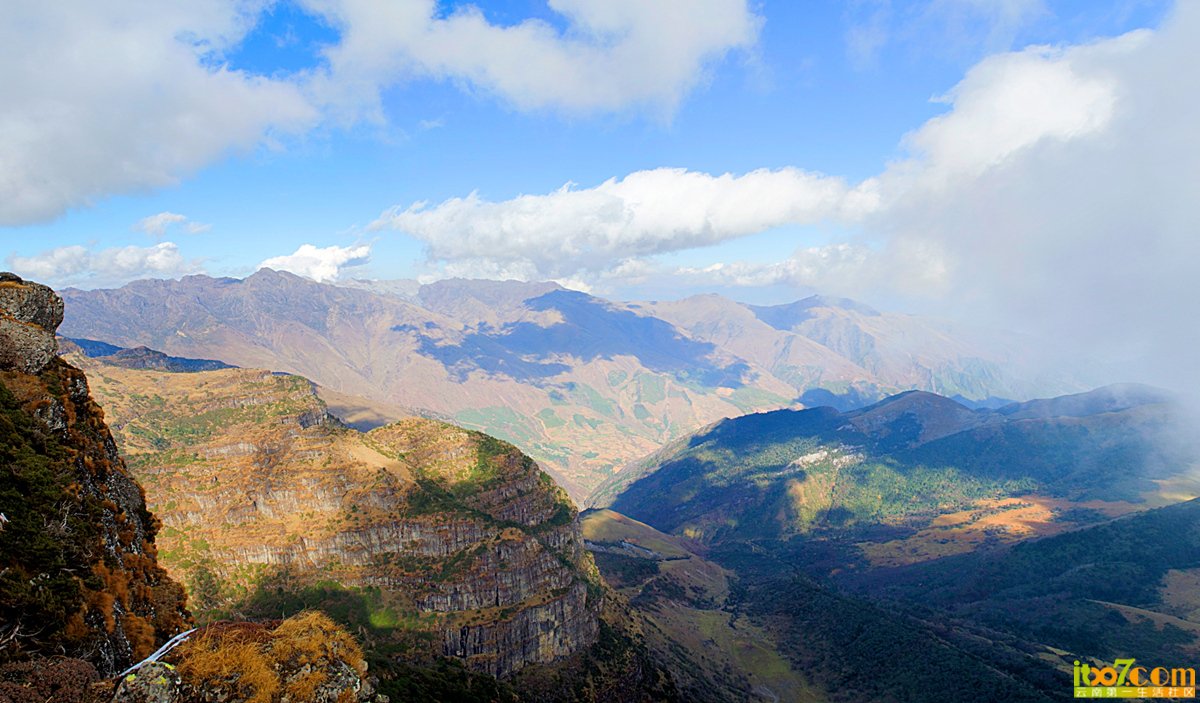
{"points": [[907, 460]]}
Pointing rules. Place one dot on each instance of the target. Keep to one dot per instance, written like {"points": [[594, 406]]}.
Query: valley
{"points": [[741, 554], [768, 556]]}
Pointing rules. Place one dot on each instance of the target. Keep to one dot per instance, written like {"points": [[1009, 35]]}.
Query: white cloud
{"points": [[1007, 103], [613, 54], [91, 268], [647, 212], [478, 267], [1057, 195], [1007, 107], [103, 98], [830, 268], [323, 265], [157, 225], [1060, 191]]}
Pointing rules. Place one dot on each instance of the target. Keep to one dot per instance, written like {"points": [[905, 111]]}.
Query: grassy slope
{"points": [[715, 653], [1100, 592]]}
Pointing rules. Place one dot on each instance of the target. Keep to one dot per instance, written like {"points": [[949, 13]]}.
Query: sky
{"points": [[1029, 163]]}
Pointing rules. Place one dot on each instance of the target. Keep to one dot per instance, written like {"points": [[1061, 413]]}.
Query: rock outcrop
{"points": [[29, 315], [78, 567]]}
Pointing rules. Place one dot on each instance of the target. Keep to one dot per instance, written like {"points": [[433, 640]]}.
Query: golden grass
{"points": [[611, 526], [263, 665], [1003, 520], [1180, 593]]}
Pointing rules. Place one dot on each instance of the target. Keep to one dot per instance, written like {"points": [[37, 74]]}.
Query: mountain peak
{"points": [[830, 301], [913, 417], [1111, 398], [270, 274], [789, 315]]}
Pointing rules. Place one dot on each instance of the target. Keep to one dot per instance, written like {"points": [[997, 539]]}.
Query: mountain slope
{"points": [[137, 358], [255, 482], [691, 605], [1135, 597], [917, 549], [428, 540], [901, 464], [78, 568]]}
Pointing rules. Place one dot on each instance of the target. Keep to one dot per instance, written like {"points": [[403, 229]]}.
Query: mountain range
{"points": [[889, 474], [583, 384], [789, 554], [919, 549]]}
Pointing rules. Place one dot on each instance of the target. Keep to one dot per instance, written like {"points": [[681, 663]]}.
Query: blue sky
{"points": [[970, 157]]}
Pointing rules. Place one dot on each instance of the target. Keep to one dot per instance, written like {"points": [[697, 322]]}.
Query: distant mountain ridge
{"points": [[583, 384], [906, 458], [138, 357]]}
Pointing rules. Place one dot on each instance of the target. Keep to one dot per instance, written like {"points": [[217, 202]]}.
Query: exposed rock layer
{"points": [[460, 533]]}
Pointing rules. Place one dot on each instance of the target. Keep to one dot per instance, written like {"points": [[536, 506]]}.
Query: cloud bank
{"points": [[1057, 194], [100, 268], [612, 55], [647, 212], [125, 96], [104, 98]]}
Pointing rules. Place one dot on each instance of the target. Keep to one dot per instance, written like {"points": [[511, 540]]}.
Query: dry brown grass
{"points": [[261, 664], [1003, 520]]}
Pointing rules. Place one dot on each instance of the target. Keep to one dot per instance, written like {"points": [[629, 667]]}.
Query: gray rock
{"points": [[153, 683], [29, 315], [27, 301]]}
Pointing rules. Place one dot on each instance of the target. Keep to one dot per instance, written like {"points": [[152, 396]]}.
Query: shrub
{"points": [[297, 659]]}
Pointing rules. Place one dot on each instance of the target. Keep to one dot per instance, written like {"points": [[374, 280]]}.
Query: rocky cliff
{"points": [[78, 569], [452, 542]]}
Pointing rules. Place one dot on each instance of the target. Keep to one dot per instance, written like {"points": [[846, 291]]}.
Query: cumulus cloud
{"points": [[613, 54], [103, 98], [1057, 195], [647, 212], [1008, 103], [323, 265], [118, 97], [157, 225], [1080, 217], [1009, 107], [87, 267]]}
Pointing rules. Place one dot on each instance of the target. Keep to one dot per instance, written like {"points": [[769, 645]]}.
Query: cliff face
{"points": [[457, 542], [78, 568]]}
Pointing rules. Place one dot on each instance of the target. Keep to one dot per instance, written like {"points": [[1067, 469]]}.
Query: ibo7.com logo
{"points": [[1125, 679]]}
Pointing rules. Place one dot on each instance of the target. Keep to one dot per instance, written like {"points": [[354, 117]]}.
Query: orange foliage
{"points": [[140, 634]]}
